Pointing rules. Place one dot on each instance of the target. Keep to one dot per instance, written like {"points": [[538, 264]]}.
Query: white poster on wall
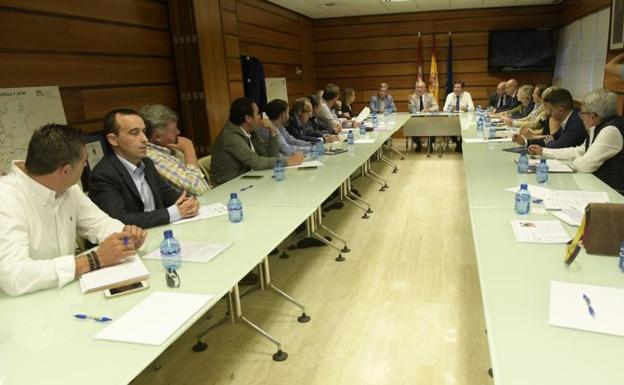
{"points": [[22, 111], [276, 89]]}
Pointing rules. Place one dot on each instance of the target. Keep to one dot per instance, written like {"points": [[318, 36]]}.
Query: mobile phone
{"points": [[307, 168], [251, 176], [125, 289]]}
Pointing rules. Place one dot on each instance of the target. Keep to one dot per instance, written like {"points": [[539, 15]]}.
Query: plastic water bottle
{"points": [[319, 149], [480, 124], [314, 151], [350, 138], [362, 130], [170, 252], [235, 208], [492, 131], [374, 119], [621, 261], [523, 200], [541, 174], [279, 172], [523, 163]]}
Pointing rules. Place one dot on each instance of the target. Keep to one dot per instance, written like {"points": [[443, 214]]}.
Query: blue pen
{"points": [[126, 241], [590, 309], [247, 188], [96, 319]]}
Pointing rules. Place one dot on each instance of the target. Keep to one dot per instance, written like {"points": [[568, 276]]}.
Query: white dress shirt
{"points": [[327, 116], [607, 144], [465, 101], [38, 232]]}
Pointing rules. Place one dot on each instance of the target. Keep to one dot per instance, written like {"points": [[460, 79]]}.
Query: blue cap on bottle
{"points": [[523, 186], [542, 160], [233, 195], [168, 233]]}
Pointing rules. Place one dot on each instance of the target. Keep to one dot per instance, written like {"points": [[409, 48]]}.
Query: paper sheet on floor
{"points": [[195, 251], [539, 231], [568, 309]]}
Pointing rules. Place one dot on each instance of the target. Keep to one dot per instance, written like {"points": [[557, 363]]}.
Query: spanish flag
{"points": [[433, 74]]}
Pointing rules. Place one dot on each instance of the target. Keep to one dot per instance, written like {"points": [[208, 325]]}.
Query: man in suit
{"points": [[422, 101], [126, 184], [559, 103], [298, 126], [383, 101], [499, 98], [511, 90], [238, 147]]}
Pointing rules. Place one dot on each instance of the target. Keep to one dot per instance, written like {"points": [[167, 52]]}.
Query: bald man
{"points": [[498, 98], [511, 90], [422, 101]]}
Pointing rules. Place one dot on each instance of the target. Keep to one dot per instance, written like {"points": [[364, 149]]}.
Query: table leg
{"points": [[266, 277]]}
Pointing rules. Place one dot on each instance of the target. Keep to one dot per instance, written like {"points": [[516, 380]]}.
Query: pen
{"points": [[126, 241], [590, 309], [247, 188], [96, 319]]}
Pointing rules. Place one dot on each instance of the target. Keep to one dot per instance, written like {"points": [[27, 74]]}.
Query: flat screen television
{"points": [[521, 50]]}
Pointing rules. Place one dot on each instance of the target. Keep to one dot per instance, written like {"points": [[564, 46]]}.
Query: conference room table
{"points": [[41, 341]]}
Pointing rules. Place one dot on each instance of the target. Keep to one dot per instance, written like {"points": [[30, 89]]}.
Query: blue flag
{"points": [[449, 67]]}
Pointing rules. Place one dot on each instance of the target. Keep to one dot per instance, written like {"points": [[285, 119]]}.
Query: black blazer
{"points": [[572, 135], [295, 129], [111, 188], [493, 100], [511, 102]]}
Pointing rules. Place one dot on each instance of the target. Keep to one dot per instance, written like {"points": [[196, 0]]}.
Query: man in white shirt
{"points": [[41, 212], [602, 153], [459, 99], [325, 114]]}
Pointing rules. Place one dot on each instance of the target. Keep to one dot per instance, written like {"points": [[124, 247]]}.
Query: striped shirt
{"points": [[186, 177]]}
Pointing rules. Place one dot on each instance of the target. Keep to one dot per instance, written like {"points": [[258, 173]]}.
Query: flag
{"points": [[433, 74], [449, 67], [419, 65]]}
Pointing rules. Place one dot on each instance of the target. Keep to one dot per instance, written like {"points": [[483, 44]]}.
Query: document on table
{"points": [[309, 163], [213, 210], [486, 140], [539, 231], [554, 165], [132, 270], [561, 199], [195, 251], [572, 216], [536, 191], [569, 309], [364, 140], [155, 319]]}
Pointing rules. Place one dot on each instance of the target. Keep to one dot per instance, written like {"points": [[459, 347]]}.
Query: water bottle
{"points": [[523, 200], [279, 172], [541, 174], [374, 119], [492, 131], [350, 138], [621, 262], [314, 152], [235, 208], [362, 130], [523, 163], [170, 253], [480, 124]]}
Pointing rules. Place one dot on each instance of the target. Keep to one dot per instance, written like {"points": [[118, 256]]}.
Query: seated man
{"points": [[238, 148], [537, 113], [422, 101], [499, 98], [559, 103], [300, 114], [173, 155], [511, 90], [42, 210], [277, 111], [328, 103], [383, 101], [459, 99], [603, 150], [525, 103], [314, 123], [127, 186]]}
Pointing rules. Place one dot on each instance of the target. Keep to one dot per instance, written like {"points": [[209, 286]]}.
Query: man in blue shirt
{"points": [[383, 101], [277, 111]]}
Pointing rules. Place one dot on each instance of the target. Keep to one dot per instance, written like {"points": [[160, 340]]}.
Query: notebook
{"points": [[132, 270]]}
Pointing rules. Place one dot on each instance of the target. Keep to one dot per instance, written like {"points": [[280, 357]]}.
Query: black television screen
{"points": [[521, 50]]}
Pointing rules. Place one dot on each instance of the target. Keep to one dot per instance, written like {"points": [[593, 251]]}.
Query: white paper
{"points": [[554, 165], [362, 115], [213, 210], [539, 231], [131, 270], [486, 140], [561, 199], [195, 251], [364, 140], [309, 163], [572, 216], [155, 318], [536, 191], [568, 308]]}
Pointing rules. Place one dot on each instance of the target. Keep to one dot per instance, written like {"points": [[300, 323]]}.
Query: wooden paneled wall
{"points": [[360, 52], [102, 54]]}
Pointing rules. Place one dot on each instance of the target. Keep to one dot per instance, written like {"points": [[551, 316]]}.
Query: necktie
{"points": [[457, 103], [500, 102], [421, 104]]}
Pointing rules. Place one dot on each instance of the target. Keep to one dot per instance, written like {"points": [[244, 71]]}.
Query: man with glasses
{"points": [[603, 151], [383, 101]]}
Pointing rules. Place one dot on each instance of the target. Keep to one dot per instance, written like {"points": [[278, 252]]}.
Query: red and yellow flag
{"points": [[433, 74]]}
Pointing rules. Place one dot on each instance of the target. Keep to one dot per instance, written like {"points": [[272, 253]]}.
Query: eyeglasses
{"points": [[581, 113], [173, 279]]}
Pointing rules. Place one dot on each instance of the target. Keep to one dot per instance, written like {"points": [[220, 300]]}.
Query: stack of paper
{"points": [[132, 270], [486, 140], [569, 309], [539, 231], [572, 216], [364, 140], [155, 319], [213, 210], [554, 165], [561, 199], [536, 191], [309, 163], [195, 251]]}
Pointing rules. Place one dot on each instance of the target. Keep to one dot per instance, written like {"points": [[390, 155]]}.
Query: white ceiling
{"points": [[318, 9]]}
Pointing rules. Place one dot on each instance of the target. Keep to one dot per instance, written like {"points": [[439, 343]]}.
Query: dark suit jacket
{"points": [[572, 135], [111, 188], [493, 100], [511, 102], [296, 129]]}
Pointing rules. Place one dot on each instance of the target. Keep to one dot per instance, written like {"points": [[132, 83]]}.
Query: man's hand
{"points": [[187, 205], [113, 250], [184, 144], [328, 138], [517, 138], [507, 120], [295, 159], [138, 235], [536, 150]]}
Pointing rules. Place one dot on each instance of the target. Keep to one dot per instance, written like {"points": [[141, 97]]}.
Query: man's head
{"points": [[382, 91], [538, 91], [511, 87], [302, 108], [57, 152], [421, 88], [277, 111], [598, 106], [525, 94], [348, 96], [125, 132], [316, 103], [161, 124], [558, 102], [245, 113], [330, 95], [458, 87], [500, 88]]}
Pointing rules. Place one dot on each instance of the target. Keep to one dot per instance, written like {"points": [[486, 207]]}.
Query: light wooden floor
{"points": [[404, 308]]}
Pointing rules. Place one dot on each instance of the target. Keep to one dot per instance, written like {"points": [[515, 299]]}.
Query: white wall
{"points": [[582, 53]]}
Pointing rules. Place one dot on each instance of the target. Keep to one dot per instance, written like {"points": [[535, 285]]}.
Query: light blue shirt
{"points": [[137, 173], [288, 144]]}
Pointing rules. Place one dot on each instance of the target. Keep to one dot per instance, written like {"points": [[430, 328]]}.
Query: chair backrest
{"points": [[204, 165]]}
